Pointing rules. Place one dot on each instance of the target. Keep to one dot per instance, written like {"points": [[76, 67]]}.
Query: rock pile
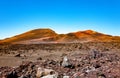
{"points": [[97, 65]]}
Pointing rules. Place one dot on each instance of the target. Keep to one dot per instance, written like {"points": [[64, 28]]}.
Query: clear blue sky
{"points": [[63, 16]]}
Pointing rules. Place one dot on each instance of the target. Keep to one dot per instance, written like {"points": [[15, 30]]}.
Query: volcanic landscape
{"points": [[42, 53]]}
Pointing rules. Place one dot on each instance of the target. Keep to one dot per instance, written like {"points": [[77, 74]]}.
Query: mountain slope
{"points": [[47, 36], [90, 35], [33, 34]]}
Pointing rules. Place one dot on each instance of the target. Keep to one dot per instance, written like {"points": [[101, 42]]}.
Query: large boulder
{"points": [[12, 74], [44, 73], [65, 62]]}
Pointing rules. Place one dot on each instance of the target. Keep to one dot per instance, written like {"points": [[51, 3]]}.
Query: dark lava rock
{"points": [[81, 66], [18, 55], [12, 74], [101, 75], [39, 58]]}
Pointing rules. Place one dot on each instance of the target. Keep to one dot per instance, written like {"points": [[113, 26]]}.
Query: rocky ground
{"points": [[74, 60]]}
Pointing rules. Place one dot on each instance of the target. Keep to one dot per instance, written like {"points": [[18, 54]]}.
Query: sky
{"points": [[62, 16]]}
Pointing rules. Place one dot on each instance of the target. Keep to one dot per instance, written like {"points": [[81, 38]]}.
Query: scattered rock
{"points": [[50, 76], [81, 66], [100, 75], [39, 58], [17, 55], [12, 74], [65, 62], [66, 76], [41, 72]]}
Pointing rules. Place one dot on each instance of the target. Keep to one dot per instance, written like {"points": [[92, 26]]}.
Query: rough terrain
{"points": [[70, 60]]}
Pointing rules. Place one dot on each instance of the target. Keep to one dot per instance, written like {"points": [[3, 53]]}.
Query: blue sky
{"points": [[63, 16]]}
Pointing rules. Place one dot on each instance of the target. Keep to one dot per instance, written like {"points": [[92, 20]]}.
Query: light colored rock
{"points": [[41, 72], [76, 75], [65, 62], [66, 76], [21, 76], [50, 76], [90, 69]]}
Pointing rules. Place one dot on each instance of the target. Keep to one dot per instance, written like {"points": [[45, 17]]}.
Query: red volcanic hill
{"points": [[49, 36], [33, 34]]}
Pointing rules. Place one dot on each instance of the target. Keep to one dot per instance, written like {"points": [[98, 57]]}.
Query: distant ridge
{"points": [[37, 36]]}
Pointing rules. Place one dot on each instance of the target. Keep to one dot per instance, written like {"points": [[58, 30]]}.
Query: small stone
{"points": [[17, 55], [65, 62], [50, 76], [39, 58], [66, 76], [101, 75]]}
